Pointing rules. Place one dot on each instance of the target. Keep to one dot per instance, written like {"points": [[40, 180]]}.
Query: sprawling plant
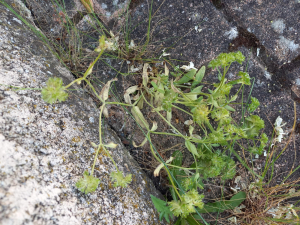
{"points": [[210, 112], [212, 130]]}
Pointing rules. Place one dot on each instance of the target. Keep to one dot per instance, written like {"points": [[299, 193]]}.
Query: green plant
{"points": [[210, 111], [55, 91], [266, 201]]}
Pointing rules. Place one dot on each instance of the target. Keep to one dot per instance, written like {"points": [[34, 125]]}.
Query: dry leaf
{"points": [[174, 88], [128, 92], [145, 74], [156, 171], [105, 112], [137, 114], [105, 90], [166, 70]]}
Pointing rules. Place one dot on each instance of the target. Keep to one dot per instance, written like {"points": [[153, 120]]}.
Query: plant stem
{"points": [[101, 144]]}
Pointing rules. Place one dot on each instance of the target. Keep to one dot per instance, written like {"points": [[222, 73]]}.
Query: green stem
{"points": [[101, 144], [86, 72], [78, 80], [163, 118], [164, 133], [244, 164], [182, 110]]}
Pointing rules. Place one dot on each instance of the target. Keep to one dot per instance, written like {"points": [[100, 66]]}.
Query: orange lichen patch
{"points": [[76, 139]]}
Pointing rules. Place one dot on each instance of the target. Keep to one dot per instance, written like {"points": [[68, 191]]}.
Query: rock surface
{"points": [[265, 31], [44, 148], [51, 16]]}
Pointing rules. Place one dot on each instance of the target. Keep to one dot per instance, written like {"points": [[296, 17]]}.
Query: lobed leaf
{"points": [[54, 91], [119, 180], [88, 183], [254, 104]]}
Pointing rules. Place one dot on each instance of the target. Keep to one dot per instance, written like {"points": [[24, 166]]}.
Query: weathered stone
{"points": [[44, 148], [52, 16], [274, 23], [190, 30]]}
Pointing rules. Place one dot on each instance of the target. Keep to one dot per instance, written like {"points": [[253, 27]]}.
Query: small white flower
{"points": [[189, 67], [197, 29], [278, 128], [131, 45], [164, 53], [112, 44]]}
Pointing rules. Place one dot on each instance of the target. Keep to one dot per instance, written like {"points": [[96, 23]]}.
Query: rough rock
{"points": [[44, 149], [51, 16], [275, 24], [190, 30]]}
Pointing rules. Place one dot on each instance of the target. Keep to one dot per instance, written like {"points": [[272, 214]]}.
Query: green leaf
{"points": [[199, 76], [179, 221], [263, 143], [88, 183], [187, 77], [254, 124], [162, 208], [192, 221], [254, 104], [239, 57], [245, 78], [175, 74], [54, 91], [120, 180], [223, 60], [221, 206], [229, 108], [197, 90], [233, 98], [192, 182], [154, 85], [191, 147]]}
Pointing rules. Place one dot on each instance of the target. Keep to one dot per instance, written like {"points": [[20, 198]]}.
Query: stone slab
{"points": [[52, 16], [190, 30], [44, 148], [275, 24]]}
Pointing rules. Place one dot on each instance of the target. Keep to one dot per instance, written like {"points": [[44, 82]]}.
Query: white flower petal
{"points": [[189, 67]]}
